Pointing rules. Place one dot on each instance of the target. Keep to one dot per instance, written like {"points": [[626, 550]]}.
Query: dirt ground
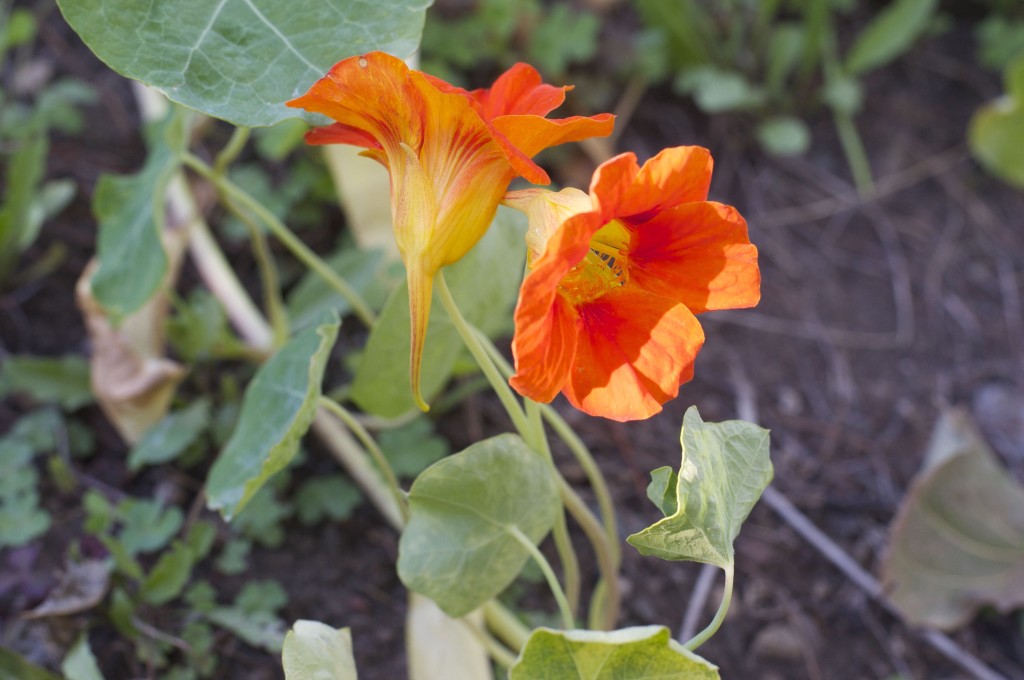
{"points": [[875, 315]]}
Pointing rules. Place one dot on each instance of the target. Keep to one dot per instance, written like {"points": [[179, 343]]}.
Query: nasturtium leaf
{"points": [[725, 468], [459, 547], [277, 409], [639, 653], [130, 212], [61, 380], [169, 438], [957, 543], [484, 283], [315, 651], [662, 490], [996, 133], [890, 34], [80, 664], [240, 60]]}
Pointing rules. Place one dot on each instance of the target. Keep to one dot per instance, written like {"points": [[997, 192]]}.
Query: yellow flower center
{"points": [[603, 268]]}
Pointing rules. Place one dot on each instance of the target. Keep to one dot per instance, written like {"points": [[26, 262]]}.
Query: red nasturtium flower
{"points": [[450, 154], [606, 312]]}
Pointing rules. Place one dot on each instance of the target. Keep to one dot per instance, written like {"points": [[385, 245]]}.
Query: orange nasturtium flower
{"points": [[606, 312], [450, 154]]}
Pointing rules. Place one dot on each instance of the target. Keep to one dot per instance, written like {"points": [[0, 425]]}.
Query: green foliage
{"points": [[80, 664], [130, 213], [725, 468], [330, 497], [278, 408], [169, 438], [21, 518], [506, 31], [14, 666], [364, 270], [252, 617], [459, 548], [199, 330], [484, 283], [640, 653], [63, 380], [890, 34], [314, 651], [1000, 40], [413, 447], [996, 133], [234, 60]]}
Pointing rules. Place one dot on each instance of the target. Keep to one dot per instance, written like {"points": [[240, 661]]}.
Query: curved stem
{"points": [[471, 340], [231, 150], [703, 636], [505, 625], [602, 535], [568, 622], [501, 654], [232, 192], [367, 440], [538, 441]]}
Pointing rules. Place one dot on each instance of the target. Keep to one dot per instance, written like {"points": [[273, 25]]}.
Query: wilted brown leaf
{"points": [[957, 543], [81, 587]]}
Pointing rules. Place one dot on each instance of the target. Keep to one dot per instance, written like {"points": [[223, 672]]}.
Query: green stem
{"points": [[568, 622], [499, 652], [469, 338], [538, 441], [231, 150], [602, 535], [230, 191], [271, 282], [505, 625], [703, 636], [856, 156], [368, 442]]}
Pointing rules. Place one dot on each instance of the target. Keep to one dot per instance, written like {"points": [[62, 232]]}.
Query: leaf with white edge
{"points": [[957, 543], [724, 470], [639, 653], [890, 34], [80, 664], [277, 410], [169, 438], [240, 60], [484, 283], [130, 212], [315, 651], [459, 547]]}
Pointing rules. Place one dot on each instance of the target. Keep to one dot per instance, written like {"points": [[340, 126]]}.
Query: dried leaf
{"points": [[957, 543], [81, 587], [443, 648]]}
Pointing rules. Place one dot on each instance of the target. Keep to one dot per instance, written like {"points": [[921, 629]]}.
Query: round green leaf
{"points": [[784, 136], [315, 651], [277, 410], [240, 60], [458, 548], [996, 134], [724, 470], [640, 653]]}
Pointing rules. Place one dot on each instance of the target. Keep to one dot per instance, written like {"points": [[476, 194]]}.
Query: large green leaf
{"points": [[724, 470], [130, 212], [169, 438], [957, 543], [640, 653], [240, 60], [996, 134], [890, 34], [484, 283], [459, 548], [315, 651], [278, 408]]}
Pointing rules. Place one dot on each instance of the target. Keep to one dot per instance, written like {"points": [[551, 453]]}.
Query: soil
{"points": [[876, 314]]}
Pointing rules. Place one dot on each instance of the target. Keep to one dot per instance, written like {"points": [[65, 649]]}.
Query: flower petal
{"points": [[698, 254], [675, 176], [342, 134], [519, 90], [633, 352], [525, 136]]}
